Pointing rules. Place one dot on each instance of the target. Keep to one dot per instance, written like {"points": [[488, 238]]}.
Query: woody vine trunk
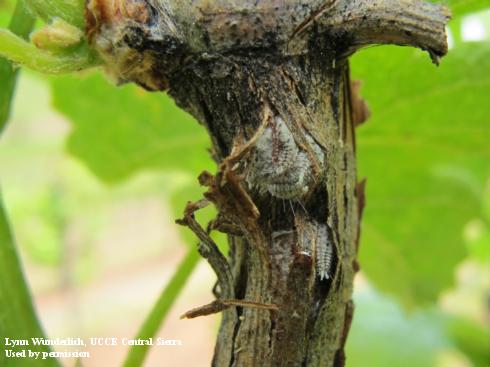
{"points": [[273, 247], [269, 80]]}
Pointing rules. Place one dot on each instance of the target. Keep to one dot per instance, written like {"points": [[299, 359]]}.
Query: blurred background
{"points": [[93, 177]]}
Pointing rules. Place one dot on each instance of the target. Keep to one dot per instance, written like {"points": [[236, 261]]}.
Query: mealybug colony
{"points": [[278, 165]]}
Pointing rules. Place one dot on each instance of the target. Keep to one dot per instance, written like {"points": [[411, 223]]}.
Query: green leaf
{"points": [[6, 11], [426, 155], [471, 338], [477, 238], [486, 202], [17, 316], [462, 7], [383, 336], [71, 11], [118, 132], [20, 24]]}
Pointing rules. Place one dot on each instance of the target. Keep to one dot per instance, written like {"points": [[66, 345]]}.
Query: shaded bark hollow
{"points": [[269, 80]]}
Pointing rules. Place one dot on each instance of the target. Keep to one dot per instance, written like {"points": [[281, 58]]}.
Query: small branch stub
{"points": [[221, 305]]}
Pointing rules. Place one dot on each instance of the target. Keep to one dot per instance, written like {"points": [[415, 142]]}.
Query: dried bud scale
{"points": [[57, 36]]}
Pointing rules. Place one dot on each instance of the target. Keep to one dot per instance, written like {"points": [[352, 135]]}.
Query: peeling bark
{"points": [[260, 73]]}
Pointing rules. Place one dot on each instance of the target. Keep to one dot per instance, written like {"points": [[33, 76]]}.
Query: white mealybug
{"points": [[278, 165], [324, 252]]}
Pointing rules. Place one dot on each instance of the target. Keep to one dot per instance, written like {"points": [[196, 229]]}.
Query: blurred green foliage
{"points": [[71, 11], [382, 335], [118, 132], [462, 7], [426, 155]]}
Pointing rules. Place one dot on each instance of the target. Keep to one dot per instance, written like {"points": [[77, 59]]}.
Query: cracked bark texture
{"points": [[276, 264], [236, 66]]}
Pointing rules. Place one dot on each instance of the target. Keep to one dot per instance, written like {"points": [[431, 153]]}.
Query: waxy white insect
{"points": [[278, 165], [324, 252]]}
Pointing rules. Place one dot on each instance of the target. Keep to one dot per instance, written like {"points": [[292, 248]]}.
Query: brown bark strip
{"points": [[209, 250], [360, 109]]}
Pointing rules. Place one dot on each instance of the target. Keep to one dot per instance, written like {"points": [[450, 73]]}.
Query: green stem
{"points": [[17, 315], [26, 54], [21, 24], [150, 327]]}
